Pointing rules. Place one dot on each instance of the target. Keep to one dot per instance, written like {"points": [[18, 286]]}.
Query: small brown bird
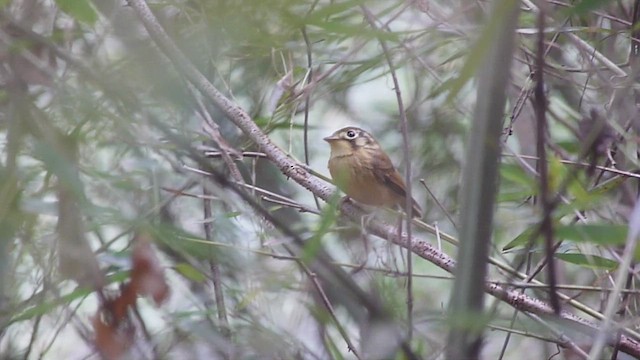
{"points": [[361, 169]]}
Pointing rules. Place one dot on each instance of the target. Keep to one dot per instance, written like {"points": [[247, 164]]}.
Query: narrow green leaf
{"points": [[577, 190], [522, 239], [557, 173], [513, 196], [608, 185], [515, 174], [342, 28], [332, 9], [80, 10], [601, 234], [591, 261], [47, 306], [592, 200], [190, 272], [571, 147], [233, 214], [57, 164], [586, 6], [327, 220]]}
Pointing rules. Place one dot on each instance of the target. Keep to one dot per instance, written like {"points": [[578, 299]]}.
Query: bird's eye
{"points": [[351, 134]]}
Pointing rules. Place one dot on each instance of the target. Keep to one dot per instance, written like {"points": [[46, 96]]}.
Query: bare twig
{"points": [[250, 154], [307, 104], [330, 309], [210, 127], [267, 195], [444, 210]]}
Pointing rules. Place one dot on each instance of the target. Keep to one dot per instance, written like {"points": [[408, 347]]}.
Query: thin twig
{"points": [[248, 154], [210, 127], [330, 309], [307, 104], [273, 196], [300, 208], [444, 210]]}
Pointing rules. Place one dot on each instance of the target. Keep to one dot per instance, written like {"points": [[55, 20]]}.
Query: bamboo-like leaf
{"points": [[591, 261], [515, 174], [313, 244], [601, 234], [586, 6], [522, 239], [190, 272], [81, 10]]}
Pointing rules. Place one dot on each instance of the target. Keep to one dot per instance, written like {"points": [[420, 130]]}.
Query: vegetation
{"points": [[163, 189]]}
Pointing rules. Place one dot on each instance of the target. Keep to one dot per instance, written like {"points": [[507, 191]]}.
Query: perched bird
{"points": [[361, 169]]}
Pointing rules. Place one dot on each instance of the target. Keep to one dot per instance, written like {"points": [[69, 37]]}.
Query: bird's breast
{"points": [[356, 178]]}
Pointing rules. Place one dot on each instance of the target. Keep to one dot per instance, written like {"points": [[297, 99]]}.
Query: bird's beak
{"points": [[331, 138]]}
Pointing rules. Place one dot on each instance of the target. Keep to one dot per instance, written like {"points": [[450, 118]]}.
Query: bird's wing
{"points": [[386, 173]]}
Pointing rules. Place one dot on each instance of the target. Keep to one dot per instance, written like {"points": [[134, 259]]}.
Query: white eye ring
{"points": [[351, 134]]}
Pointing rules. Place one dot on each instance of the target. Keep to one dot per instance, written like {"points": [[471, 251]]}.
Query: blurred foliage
{"points": [[87, 72]]}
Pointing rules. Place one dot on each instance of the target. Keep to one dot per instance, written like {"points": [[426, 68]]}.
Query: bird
{"points": [[362, 170]]}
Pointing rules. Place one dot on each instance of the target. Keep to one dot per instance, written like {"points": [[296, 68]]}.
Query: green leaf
{"points": [[572, 147], [332, 9], [190, 272], [312, 245], [181, 241], [80, 10], [591, 261], [516, 185], [47, 306], [557, 173], [513, 196], [586, 6], [56, 163], [592, 200], [608, 185], [601, 234], [522, 239], [341, 28], [577, 190], [232, 214], [515, 174]]}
